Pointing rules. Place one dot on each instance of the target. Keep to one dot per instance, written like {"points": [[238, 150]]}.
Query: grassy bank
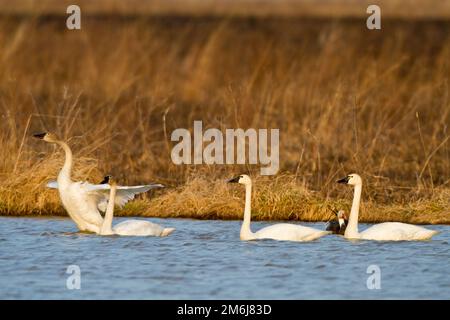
{"points": [[345, 99], [392, 9], [282, 199]]}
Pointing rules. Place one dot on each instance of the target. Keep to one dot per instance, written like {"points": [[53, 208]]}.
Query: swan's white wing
{"points": [[397, 231], [290, 232], [101, 192], [123, 194], [138, 228]]}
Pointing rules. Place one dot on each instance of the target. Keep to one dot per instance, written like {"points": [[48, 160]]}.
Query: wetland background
{"points": [[345, 98]]}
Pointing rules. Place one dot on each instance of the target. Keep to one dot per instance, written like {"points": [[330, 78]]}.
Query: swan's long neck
{"points": [[107, 222], [65, 173], [352, 228], [245, 228]]}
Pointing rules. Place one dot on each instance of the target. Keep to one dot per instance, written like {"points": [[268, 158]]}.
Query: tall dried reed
{"points": [[346, 99]]}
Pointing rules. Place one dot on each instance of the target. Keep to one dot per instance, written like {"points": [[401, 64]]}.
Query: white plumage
{"points": [[396, 231], [83, 200], [281, 231], [100, 192], [387, 231], [128, 227], [289, 232]]}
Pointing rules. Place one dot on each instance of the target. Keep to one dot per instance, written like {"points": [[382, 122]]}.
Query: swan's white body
{"points": [[83, 200], [75, 197], [281, 231], [129, 227], [396, 231], [387, 231], [141, 228], [285, 232]]}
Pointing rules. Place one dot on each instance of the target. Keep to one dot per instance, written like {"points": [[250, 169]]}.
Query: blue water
{"points": [[206, 260]]}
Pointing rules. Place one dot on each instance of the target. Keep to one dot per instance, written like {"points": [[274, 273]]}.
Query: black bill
{"points": [[344, 180], [40, 135], [106, 179], [234, 180]]}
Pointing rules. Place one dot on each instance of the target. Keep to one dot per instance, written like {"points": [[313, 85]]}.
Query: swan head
{"points": [[111, 180], [341, 215], [242, 179], [46, 136], [106, 179], [352, 179]]}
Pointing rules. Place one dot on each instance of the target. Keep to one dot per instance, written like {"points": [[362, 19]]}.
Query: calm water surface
{"points": [[206, 260]]}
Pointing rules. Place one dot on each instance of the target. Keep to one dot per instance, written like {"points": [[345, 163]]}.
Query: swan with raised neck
{"points": [[83, 212], [387, 231], [128, 227], [280, 231]]}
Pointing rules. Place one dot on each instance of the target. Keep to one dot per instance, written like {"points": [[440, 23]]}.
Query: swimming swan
{"points": [[388, 231], [83, 200], [281, 231], [338, 226], [101, 192], [128, 227]]}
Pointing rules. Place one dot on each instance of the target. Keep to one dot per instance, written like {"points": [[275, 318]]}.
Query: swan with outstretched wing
{"points": [[100, 192], [128, 227], [82, 200]]}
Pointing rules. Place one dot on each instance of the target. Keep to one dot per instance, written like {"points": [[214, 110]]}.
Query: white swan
{"points": [[281, 231], [83, 200], [101, 192], [387, 231], [128, 227]]}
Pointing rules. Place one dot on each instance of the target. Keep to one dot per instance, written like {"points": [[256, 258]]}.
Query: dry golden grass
{"points": [[283, 199], [407, 9], [345, 100]]}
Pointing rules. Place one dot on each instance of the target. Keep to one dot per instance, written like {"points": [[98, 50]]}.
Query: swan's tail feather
{"points": [[167, 231], [430, 234], [324, 233]]}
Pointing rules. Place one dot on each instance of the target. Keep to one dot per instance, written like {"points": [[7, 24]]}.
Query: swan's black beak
{"points": [[344, 180], [234, 180], [106, 179], [39, 135]]}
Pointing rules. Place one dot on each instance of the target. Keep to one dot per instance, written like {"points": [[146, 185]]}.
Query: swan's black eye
{"points": [[240, 177]]}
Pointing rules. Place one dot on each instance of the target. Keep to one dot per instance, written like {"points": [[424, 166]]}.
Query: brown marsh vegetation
{"points": [[345, 99]]}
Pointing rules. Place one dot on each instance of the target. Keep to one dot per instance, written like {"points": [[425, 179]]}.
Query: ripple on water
{"points": [[46, 234], [208, 236], [134, 244], [275, 265], [206, 259]]}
